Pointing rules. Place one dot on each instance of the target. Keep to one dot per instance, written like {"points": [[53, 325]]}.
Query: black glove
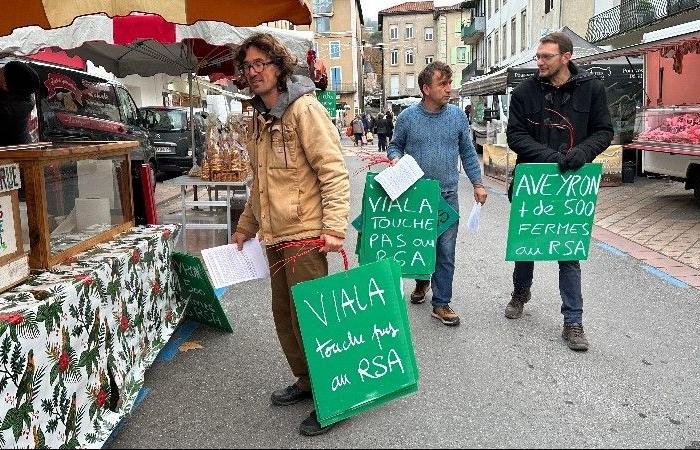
{"points": [[573, 160]]}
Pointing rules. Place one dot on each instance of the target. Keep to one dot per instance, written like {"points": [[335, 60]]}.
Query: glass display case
{"points": [[76, 194], [673, 125]]}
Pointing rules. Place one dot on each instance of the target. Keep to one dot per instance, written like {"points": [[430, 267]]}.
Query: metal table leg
{"points": [[228, 212], [183, 191]]}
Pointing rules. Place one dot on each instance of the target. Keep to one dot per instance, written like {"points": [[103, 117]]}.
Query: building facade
{"points": [[415, 34], [337, 27], [449, 21], [408, 34]]}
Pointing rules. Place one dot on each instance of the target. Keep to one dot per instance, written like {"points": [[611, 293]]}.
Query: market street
{"points": [[490, 382]]}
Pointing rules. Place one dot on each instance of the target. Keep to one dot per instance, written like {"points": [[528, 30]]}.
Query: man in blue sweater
{"points": [[436, 134]]}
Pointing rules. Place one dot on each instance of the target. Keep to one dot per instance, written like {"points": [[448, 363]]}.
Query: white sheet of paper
{"points": [[474, 216], [396, 179], [226, 265]]}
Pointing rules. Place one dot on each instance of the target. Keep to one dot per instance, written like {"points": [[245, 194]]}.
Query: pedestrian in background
{"points": [[300, 191], [390, 121], [436, 134], [358, 130], [559, 92], [382, 128]]}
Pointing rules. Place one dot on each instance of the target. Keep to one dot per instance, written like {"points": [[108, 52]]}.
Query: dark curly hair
{"points": [[275, 50]]}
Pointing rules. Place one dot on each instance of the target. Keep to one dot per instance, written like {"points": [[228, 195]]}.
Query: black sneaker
{"points": [[311, 427], [575, 337], [289, 396], [514, 309], [418, 294]]}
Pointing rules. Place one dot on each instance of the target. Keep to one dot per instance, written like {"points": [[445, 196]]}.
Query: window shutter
{"points": [[454, 55]]}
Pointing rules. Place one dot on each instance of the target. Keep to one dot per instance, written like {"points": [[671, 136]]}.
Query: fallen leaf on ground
{"points": [[190, 345]]}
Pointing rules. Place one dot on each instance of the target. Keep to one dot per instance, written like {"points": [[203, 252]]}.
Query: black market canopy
{"points": [[611, 71]]}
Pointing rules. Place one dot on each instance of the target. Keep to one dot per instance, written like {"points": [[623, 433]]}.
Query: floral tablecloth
{"points": [[75, 342]]}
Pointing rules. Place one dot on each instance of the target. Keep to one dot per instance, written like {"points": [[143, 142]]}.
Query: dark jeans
{"points": [[569, 286], [445, 258], [382, 142]]}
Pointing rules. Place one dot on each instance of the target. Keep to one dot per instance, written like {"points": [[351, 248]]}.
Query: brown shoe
{"points": [[575, 337], [446, 315], [418, 294]]}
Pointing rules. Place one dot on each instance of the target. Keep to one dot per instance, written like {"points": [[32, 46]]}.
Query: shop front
{"points": [[667, 128]]}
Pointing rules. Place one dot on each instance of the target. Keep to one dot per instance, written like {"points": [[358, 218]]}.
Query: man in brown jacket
{"points": [[300, 191]]}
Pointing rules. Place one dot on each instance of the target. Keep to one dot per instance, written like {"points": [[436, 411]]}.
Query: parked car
{"points": [[72, 105], [170, 136]]}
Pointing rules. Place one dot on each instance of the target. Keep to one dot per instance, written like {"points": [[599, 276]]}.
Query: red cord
{"points": [[562, 126], [306, 246]]}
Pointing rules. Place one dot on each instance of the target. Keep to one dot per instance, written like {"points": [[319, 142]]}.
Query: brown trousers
{"points": [[307, 267]]}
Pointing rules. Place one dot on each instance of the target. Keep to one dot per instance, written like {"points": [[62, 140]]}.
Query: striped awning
{"points": [[59, 13]]}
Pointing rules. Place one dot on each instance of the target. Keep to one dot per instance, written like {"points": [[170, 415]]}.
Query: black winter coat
{"points": [[537, 131], [14, 115]]}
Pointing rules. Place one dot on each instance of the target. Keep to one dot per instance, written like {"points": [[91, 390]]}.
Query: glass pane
{"points": [[84, 198], [323, 24], [323, 6]]}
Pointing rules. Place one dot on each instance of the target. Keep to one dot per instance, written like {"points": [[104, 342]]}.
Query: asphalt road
{"points": [[490, 382]]}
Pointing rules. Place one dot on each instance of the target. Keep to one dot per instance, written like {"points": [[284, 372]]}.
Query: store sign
{"points": [[13, 261], [203, 304], [9, 178], [328, 100], [404, 230], [357, 339], [551, 216]]}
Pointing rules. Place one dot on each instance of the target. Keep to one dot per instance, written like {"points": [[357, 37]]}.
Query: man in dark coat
{"points": [[560, 115], [18, 82]]}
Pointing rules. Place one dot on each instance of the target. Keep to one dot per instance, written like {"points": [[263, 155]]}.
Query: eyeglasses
{"points": [[544, 57], [257, 66]]}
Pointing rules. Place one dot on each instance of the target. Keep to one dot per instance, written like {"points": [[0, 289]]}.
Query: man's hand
{"points": [[394, 161], [480, 194], [331, 243], [239, 238], [573, 160]]}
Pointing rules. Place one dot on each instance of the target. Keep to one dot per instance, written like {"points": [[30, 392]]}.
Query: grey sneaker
{"points": [[575, 337], [514, 309]]}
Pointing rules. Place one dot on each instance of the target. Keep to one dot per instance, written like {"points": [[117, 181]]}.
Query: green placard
{"points": [[404, 230], [327, 99], [447, 216], [357, 339], [551, 217], [202, 303]]}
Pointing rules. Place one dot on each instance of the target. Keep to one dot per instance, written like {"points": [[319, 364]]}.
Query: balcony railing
{"points": [[471, 70], [633, 14], [343, 88], [472, 33]]}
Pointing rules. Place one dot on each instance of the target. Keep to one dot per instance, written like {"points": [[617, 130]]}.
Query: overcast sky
{"points": [[370, 8]]}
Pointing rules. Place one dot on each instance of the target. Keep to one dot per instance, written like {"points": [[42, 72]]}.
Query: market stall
{"points": [[667, 129], [622, 78]]}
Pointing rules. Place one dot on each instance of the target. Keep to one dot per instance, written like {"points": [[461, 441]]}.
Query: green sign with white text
{"points": [[357, 339], [551, 216], [203, 304], [404, 230], [328, 100]]}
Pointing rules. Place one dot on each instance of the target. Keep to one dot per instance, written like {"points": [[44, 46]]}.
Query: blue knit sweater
{"points": [[436, 140]]}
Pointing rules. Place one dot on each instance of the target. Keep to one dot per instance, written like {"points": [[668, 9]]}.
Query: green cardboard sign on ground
{"points": [[551, 216], [328, 100], [357, 339], [403, 230], [203, 305]]}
